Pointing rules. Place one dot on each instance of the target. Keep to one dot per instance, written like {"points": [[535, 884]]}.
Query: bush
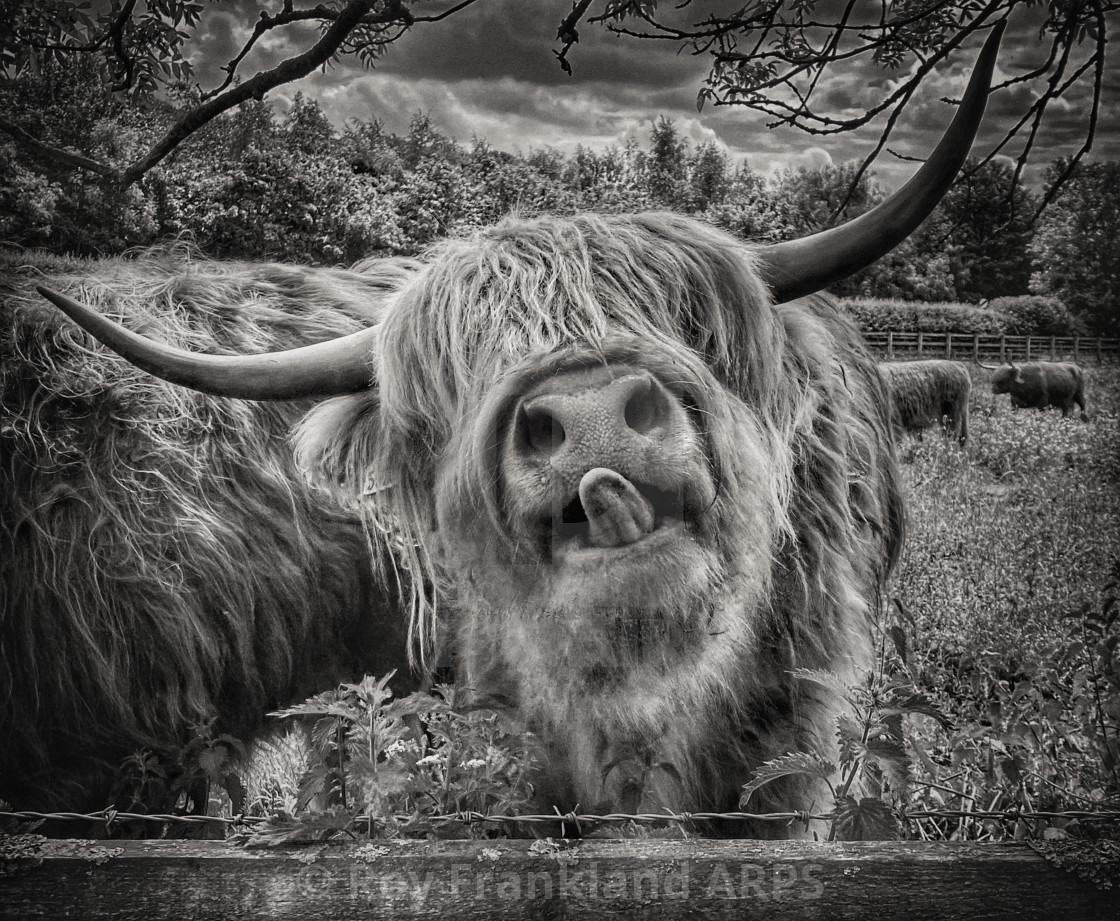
{"points": [[1033, 315], [891, 315]]}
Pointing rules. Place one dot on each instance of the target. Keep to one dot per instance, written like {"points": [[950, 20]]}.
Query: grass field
{"points": [[1011, 546], [1019, 528]]}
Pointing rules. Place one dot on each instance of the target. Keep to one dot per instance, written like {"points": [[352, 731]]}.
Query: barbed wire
{"points": [[111, 816]]}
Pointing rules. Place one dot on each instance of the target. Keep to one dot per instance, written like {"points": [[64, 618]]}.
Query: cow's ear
{"points": [[335, 444]]}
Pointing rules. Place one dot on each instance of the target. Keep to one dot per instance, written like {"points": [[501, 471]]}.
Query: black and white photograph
{"points": [[527, 460]]}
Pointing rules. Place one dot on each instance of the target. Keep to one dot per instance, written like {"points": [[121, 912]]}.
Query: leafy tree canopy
{"points": [[1076, 246]]}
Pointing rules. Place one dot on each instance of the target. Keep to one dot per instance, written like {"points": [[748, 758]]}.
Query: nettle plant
{"points": [[197, 778], [870, 778], [389, 768], [957, 753], [1039, 733]]}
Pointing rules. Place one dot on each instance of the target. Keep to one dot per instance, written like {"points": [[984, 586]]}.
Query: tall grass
{"points": [[1019, 528]]}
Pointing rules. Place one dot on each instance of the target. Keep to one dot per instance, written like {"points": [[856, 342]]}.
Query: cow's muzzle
{"points": [[601, 457]]}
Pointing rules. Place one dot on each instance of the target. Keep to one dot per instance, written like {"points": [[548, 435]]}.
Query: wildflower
{"points": [[402, 746]]}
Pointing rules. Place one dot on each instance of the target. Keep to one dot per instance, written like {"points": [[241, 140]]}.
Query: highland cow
{"points": [[1041, 384], [162, 561], [927, 393], [641, 480]]}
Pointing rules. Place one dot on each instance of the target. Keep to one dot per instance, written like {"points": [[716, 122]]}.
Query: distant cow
{"points": [[644, 479], [926, 393], [1041, 384]]}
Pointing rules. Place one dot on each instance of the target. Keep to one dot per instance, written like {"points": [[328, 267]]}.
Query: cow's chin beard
{"points": [[618, 659]]}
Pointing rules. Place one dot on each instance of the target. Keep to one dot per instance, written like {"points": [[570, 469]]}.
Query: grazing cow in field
{"points": [[926, 393], [641, 477], [1041, 384]]}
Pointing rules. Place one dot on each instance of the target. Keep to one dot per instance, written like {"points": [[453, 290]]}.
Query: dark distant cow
{"points": [[642, 484], [927, 393], [1041, 384]]}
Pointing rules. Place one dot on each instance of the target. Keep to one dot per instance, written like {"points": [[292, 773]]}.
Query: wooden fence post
{"points": [[1028, 358], [890, 346], [1052, 348], [1076, 348], [948, 345], [1002, 348], [976, 347], [920, 335]]}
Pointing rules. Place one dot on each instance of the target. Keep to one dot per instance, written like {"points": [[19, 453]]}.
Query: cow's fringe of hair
{"points": [[161, 560]]}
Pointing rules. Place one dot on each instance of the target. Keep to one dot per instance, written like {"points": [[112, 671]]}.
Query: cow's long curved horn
{"points": [[799, 267], [342, 365]]}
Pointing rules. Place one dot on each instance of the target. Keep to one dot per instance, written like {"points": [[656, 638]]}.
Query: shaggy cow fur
{"points": [[161, 560], [1041, 384], [926, 393], [658, 675]]}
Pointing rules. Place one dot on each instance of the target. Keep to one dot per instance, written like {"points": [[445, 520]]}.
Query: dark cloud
{"points": [[517, 39], [490, 70]]}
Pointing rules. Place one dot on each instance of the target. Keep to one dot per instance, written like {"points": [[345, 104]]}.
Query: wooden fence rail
{"points": [[515, 879], [971, 346]]}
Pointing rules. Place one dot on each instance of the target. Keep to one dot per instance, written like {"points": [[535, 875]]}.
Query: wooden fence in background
{"points": [[975, 347]]}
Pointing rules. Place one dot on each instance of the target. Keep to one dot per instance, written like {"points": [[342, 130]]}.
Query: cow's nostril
{"points": [[543, 431], [641, 408]]}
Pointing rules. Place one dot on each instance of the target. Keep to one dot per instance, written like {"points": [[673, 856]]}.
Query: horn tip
{"points": [[59, 300], [992, 42]]}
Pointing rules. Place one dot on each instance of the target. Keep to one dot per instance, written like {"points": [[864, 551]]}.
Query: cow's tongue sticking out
{"points": [[617, 514]]}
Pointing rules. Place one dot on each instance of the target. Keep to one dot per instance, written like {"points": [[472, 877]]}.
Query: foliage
{"points": [[770, 57], [70, 210], [764, 55], [253, 184], [982, 226], [138, 50], [997, 684], [1076, 248], [666, 165], [891, 314], [1034, 315], [189, 780], [233, 195], [131, 50], [400, 767]]}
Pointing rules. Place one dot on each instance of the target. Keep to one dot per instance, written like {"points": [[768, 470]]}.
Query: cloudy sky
{"points": [[490, 71]]}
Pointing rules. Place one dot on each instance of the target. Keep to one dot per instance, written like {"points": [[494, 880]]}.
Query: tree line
{"points": [[253, 184]]}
